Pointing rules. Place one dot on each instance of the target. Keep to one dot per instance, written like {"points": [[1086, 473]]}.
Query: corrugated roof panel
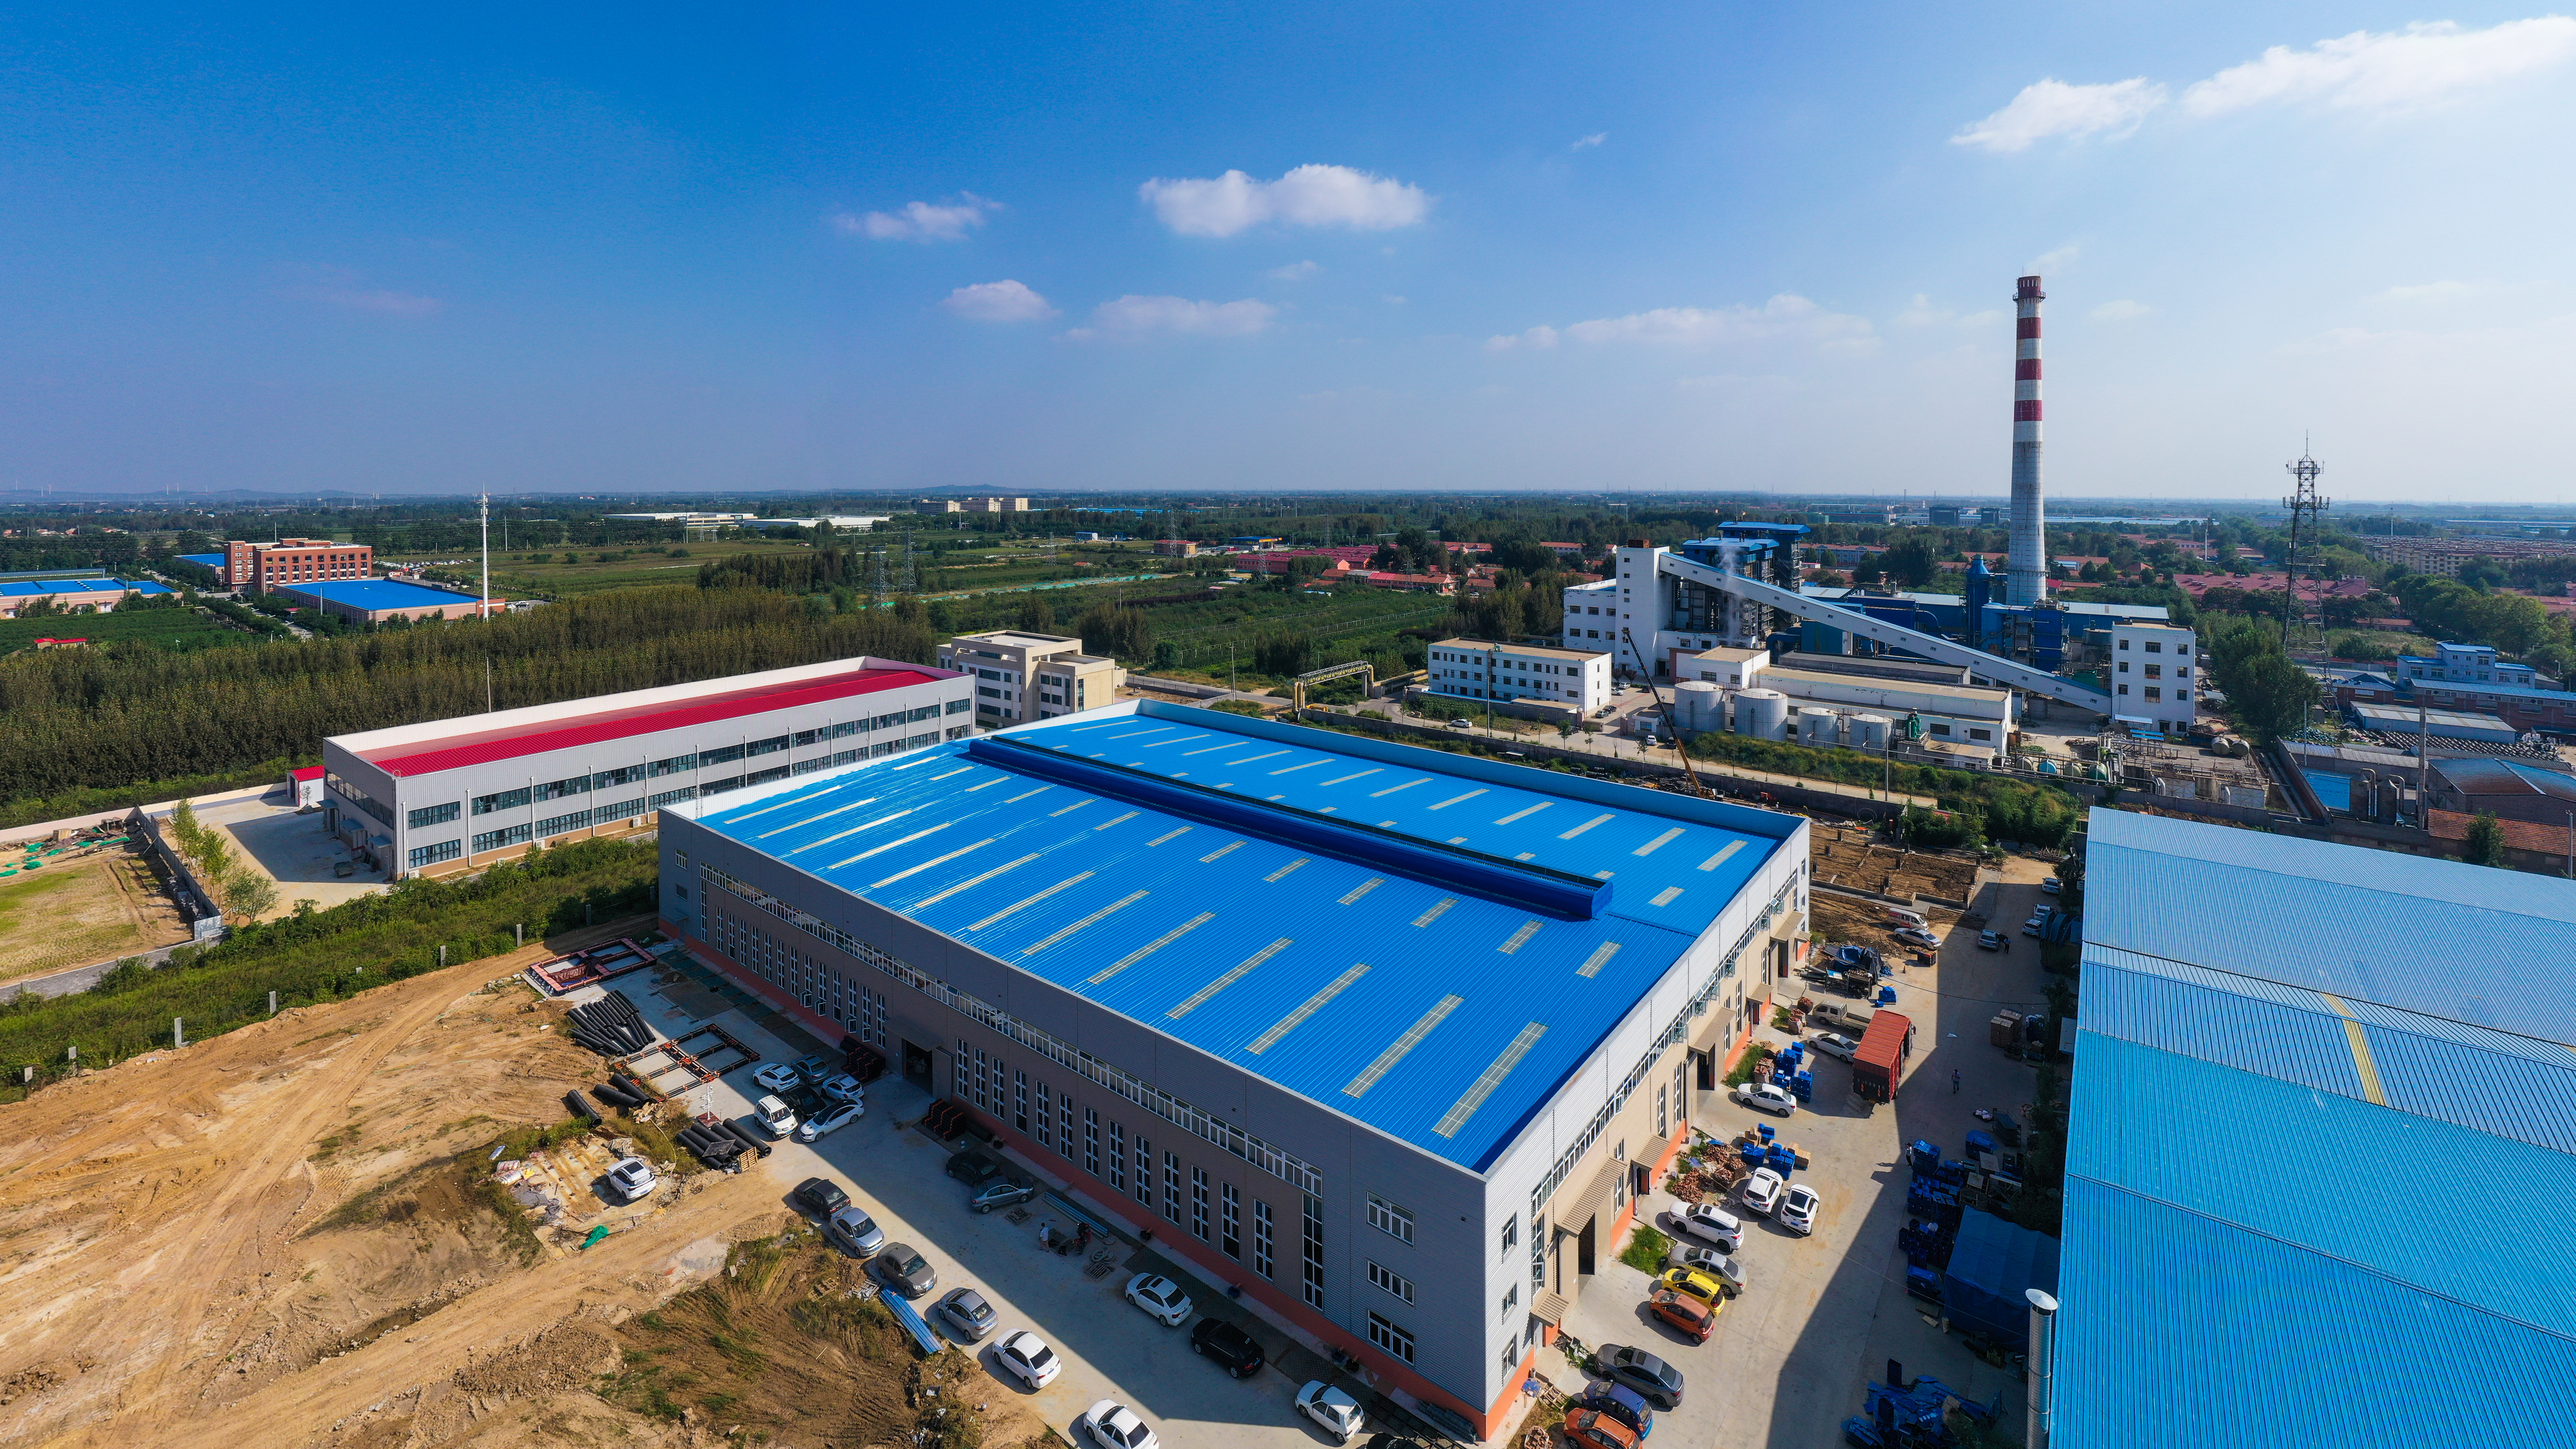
{"points": [[2304, 1047]]}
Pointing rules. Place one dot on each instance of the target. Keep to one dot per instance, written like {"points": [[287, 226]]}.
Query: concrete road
{"points": [[294, 851]]}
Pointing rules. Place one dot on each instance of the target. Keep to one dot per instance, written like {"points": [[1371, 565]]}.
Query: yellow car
{"points": [[1696, 1284]]}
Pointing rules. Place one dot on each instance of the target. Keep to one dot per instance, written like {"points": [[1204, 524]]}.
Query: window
{"points": [[436, 814], [433, 854], [658, 800], [1264, 1246], [2154, 647], [1663, 1111], [1314, 1215], [506, 800], [1020, 1113], [2124, 689], [766, 747], [1172, 1186], [959, 1065], [2124, 643], [1391, 1338], [1117, 1158], [960, 706], [1511, 1233], [557, 789], [976, 1088], [1144, 1170], [1389, 1219], [2155, 693], [673, 766], [1511, 1300], [1064, 1125], [1388, 1281], [557, 825], [496, 839], [1091, 1141], [1538, 1253], [1044, 1117], [726, 755], [2124, 666], [622, 810], [1230, 1223], [1198, 1204]]}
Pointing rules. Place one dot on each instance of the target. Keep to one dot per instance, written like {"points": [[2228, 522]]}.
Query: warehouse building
{"points": [[2322, 1149], [459, 794], [375, 601], [1382, 1036], [84, 595]]}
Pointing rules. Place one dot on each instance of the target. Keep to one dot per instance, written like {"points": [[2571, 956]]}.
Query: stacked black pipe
{"points": [[580, 1106], [747, 1137], [617, 1097], [611, 1026], [714, 1148]]}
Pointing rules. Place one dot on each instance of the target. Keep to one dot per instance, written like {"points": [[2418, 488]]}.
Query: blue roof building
{"points": [[2323, 1147], [375, 600], [77, 594], [1316, 1008]]}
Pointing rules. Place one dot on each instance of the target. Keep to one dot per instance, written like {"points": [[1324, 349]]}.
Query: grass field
{"points": [[76, 914], [179, 629]]}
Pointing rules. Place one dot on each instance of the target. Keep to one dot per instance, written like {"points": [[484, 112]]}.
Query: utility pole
{"points": [[483, 609]]}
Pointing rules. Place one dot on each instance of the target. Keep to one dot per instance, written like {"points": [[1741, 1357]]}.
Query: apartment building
{"points": [[1021, 675]]}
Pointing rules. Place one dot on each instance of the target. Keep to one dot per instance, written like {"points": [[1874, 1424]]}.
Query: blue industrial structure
{"points": [[2322, 1151]]}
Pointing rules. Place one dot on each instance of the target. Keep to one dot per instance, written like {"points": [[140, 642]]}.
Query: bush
{"points": [[1646, 1249]]}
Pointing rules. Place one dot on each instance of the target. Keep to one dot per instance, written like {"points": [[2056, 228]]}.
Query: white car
{"points": [[1112, 1425], [1834, 1044], [775, 1116], [1335, 1412], [1798, 1209], [844, 1088], [777, 1077], [1912, 937], [632, 1178], [1726, 1270], [1161, 1297], [1767, 1097], [1762, 1191], [1029, 1359], [1711, 1223], [841, 1115], [2052, 885]]}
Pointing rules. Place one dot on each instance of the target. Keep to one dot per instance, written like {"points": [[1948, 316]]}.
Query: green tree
{"points": [[1911, 561], [1036, 616], [2273, 696], [2485, 842]]}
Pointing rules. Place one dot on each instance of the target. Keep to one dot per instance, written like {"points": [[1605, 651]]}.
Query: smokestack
{"points": [[2027, 582]]}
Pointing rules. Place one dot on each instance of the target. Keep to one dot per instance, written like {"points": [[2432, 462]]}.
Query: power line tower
{"points": [[911, 577], [2303, 503]]}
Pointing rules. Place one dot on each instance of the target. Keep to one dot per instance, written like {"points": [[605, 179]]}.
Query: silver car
{"points": [[968, 1314], [1726, 1270], [855, 1230]]}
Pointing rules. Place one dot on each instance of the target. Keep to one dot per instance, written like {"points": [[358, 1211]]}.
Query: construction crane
{"points": [[1647, 674]]}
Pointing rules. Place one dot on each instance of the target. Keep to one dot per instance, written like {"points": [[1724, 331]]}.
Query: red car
{"points": [[1686, 1313], [1592, 1429]]}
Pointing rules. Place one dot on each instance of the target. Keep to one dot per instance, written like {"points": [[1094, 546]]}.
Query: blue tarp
{"points": [[1992, 1265]]}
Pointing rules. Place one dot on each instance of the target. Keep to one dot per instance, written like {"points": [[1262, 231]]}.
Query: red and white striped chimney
{"points": [[2027, 565]]}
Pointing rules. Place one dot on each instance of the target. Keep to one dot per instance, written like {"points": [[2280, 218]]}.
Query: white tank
{"points": [[1761, 713], [1871, 732], [1696, 706], [1819, 727]]}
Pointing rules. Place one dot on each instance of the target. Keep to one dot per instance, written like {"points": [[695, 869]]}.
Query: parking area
{"points": [[294, 850]]}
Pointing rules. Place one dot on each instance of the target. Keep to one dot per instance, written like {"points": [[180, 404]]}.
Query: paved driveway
{"points": [[295, 851]]}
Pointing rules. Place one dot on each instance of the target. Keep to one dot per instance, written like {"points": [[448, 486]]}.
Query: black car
{"points": [[1233, 1349], [973, 1168], [820, 1196]]}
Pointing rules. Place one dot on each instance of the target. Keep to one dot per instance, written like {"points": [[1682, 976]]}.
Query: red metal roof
{"points": [[469, 747], [309, 772]]}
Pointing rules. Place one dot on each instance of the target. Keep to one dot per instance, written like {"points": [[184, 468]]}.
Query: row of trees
{"points": [[2270, 695], [244, 892]]}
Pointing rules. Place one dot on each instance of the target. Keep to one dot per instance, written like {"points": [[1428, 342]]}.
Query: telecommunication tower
{"points": [[2303, 502]]}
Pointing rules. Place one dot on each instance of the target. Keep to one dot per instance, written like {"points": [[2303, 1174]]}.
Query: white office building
{"points": [[2154, 670], [1024, 676], [1478, 669]]}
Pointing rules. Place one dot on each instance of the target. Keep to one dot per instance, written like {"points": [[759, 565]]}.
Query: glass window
{"points": [[557, 789], [1064, 1124], [723, 756], [436, 814], [433, 854], [1389, 1281], [1172, 1186], [1117, 1158], [497, 839], [506, 800], [1390, 1338], [1020, 1117], [1264, 1247], [1230, 1223], [1144, 1170], [1044, 1117], [1387, 1218], [1091, 1142], [677, 764], [1314, 1223], [768, 746], [1199, 1203]]}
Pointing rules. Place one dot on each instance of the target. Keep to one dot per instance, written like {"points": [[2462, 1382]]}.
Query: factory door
{"points": [[1707, 1064], [1584, 1243], [917, 1064]]}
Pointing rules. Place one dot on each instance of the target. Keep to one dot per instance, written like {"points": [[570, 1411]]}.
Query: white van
{"points": [[1904, 917], [775, 1116]]}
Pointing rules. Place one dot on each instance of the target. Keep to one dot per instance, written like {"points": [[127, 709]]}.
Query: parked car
{"points": [[974, 1166], [968, 1313], [1159, 1296], [1717, 1265], [777, 1077], [1236, 1351], [855, 1230], [835, 1116], [813, 1067], [1914, 936], [1990, 940], [1029, 1359], [632, 1177], [1112, 1425], [1705, 1287], [1767, 1097], [842, 1087], [775, 1117], [1001, 1193], [1333, 1411], [820, 1196], [1798, 1208], [1616, 1401], [1594, 1429], [1693, 1318], [902, 1268], [1712, 1223], [2052, 885], [1834, 1044], [1460, 724], [1657, 1382], [1762, 1190]]}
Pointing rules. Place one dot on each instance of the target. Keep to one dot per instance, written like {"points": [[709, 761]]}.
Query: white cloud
{"points": [[1293, 272], [1595, 139], [2054, 108], [1003, 301], [1785, 317], [2120, 311], [919, 221], [1132, 316], [2051, 261], [1394, 299], [1921, 313], [1307, 196], [2443, 291], [2423, 64]]}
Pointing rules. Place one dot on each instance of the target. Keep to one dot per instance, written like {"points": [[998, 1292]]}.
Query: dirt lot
{"points": [[82, 911], [1851, 856], [291, 1235]]}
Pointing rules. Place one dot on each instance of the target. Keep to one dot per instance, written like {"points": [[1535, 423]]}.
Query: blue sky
{"points": [[1245, 247]]}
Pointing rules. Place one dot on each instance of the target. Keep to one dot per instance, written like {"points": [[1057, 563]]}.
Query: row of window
{"points": [[813, 982]]}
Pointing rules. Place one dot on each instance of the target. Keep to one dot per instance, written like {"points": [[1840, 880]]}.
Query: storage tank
{"points": [[1696, 706], [1820, 727], [1762, 713], [1871, 732]]}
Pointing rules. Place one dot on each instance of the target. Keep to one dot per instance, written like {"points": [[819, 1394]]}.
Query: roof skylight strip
{"points": [[1407, 785], [1525, 814], [1519, 938], [1586, 825], [1659, 842], [783, 804], [1069, 809], [1397, 1049], [1457, 799], [1201, 996], [927, 864], [1282, 872], [1599, 958], [1363, 888], [1121, 903], [1149, 948], [810, 819], [1456, 1117], [1229, 848], [1346, 779], [972, 882], [1436, 912], [1026, 901], [889, 845], [1314, 1003], [1714, 861]]}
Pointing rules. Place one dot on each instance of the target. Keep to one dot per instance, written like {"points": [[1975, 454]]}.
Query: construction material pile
{"points": [[712, 1146], [611, 1026]]}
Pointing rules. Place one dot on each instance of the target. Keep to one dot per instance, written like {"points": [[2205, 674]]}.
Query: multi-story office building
{"points": [[458, 794], [1383, 1037], [260, 567], [1021, 675], [1481, 669], [2154, 674]]}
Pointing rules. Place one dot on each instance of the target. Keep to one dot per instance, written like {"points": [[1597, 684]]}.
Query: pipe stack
{"points": [[611, 1026], [714, 1148]]}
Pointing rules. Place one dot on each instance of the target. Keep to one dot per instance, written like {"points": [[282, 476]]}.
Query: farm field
{"points": [[176, 629], [80, 912]]}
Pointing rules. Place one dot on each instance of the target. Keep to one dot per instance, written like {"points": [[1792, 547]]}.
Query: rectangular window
{"points": [[433, 854], [1144, 1170], [557, 789], [1020, 1116], [1091, 1141], [665, 797], [766, 747], [958, 1067], [1538, 1254], [677, 764], [1265, 1247], [802, 738], [506, 800], [2154, 692], [1511, 1300], [1198, 1204], [1511, 1233], [611, 779], [1314, 1252], [497, 839], [723, 756], [1388, 1281], [927, 711], [1064, 1125], [622, 810], [1389, 1219], [1117, 1158], [1663, 1111], [981, 1065], [1387, 1336], [1230, 1223], [960, 706], [436, 814], [1046, 1116], [1172, 1186], [718, 787]]}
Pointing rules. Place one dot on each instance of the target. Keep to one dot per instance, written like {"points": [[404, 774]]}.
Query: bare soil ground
{"points": [[1852, 856], [83, 911], [291, 1235]]}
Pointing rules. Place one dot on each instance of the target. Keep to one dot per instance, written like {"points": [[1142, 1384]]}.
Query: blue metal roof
{"points": [[205, 560], [1421, 942], [376, 593], [23, 588]]}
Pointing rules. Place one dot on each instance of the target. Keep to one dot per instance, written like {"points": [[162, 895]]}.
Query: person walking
{"points": [[1954, 1081]]}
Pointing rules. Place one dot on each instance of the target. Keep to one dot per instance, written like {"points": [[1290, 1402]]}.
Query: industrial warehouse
{"points": [[1383, 1037], [457, 794]]}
